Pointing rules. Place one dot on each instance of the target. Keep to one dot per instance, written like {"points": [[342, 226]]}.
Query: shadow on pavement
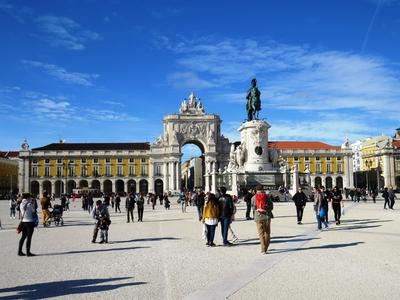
{"points": [[256, 241], [329, 246], [92, 251], [63, 288], [146, 240], [351, 227]]}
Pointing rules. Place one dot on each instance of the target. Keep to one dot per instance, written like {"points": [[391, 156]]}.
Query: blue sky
{"points": [[108, 71]]}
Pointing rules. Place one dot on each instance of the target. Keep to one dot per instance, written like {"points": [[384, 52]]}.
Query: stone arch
{"points": [[46, 187], [158, 187], [318, 182], [107, 186], [143, 186], [119, 186], [83, 183], [339, 182], [131, 186], [95, 184], [328, 182], [71, 185], [35, 187], [59, 187]]}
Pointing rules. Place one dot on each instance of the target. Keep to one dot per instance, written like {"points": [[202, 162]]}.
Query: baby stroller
{"points": [[56, 215]]}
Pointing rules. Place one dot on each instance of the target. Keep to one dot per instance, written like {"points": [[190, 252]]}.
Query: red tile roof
{"points": [[95, 146], [9, 154], [396, 143], [301, 145]]}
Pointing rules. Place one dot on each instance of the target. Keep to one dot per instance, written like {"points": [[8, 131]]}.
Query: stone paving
{"points": [[165, 258]]}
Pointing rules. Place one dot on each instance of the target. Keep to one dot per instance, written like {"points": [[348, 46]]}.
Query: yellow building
{"points": [[8, 172]]}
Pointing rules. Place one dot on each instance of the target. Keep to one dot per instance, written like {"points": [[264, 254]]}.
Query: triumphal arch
{"points": [[191, 125]]}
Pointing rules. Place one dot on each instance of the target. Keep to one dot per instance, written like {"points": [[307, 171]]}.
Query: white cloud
{"points": [[65, 32], [188, 80], [18, 13], [60, 73], [113, 103]]}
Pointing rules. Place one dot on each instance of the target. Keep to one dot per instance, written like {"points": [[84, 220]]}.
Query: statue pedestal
{"points": [[254, 141]]}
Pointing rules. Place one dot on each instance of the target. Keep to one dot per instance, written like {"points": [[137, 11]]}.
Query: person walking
{"points": [[225, 203], [13, 206], [46, 204], [373, 195], [263, 207], [99, 212], [337, 204], [210, 218], [167, 203], [130, 206], [182, 199], [247, 199], [28, 209], [385, 196], [320, 204], [140, 206], [200, 204], [90, 203], [118, 203], [300, 200], [392, 196]]}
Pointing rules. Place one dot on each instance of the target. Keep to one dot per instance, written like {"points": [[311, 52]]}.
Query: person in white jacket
{"points": [[27, 209]]}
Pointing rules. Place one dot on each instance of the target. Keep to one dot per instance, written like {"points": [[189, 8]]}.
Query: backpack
{"points": [[261, 200]]}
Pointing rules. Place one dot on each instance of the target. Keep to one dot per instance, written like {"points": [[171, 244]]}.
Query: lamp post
{"points": [[368, 164]]}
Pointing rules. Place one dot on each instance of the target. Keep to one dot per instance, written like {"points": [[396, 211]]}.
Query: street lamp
{"points": [[368, 164]]}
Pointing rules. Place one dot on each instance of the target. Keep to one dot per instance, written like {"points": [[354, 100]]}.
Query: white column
{"points": [[178, 176], [295, 183], [53, 187], [207, 182], [40, 188], [151, 178], [386, 170], [172, 175], [126, 186], [213, 177], [165, 174], [114, 188]]}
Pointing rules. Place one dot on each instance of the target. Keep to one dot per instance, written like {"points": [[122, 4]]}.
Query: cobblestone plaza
{"points": [[165, 258]]}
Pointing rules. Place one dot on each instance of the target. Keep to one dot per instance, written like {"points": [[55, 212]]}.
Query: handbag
{"points": [[20, 226], [322, 213], [35, 219], [204, 235]]}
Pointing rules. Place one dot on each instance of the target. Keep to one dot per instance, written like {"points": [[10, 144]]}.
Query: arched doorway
{"points": [[107, 186], [96, 185], [119, 185], [158, 187], [47, 187], [59, 188], [397, 181], [192, 166], [328, 182], [83, 184], [71, 185], [318, 182], [131, 186], [143, 186], [35, 188], [339, 182]]}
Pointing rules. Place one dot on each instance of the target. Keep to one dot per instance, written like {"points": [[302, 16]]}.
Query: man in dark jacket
{"points": [[226, 211], [200, 204], [130, 206], [385, 196], [247, 198], [300, 200]]}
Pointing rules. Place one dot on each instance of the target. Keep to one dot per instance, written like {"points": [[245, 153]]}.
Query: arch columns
{"points": [[40, 188], [178, 175], [151, 177], [165, 174]]}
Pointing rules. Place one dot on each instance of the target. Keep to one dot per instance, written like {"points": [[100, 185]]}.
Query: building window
{"points": [[339, 158], [34, 171], [131, 160], [318, 168], [131, 170], [108, 160], [143, 160], [296, 158], [328, 168], [158, 170], [96, 160], [317, 158], [34, 161], [59, 171], [59, 161], [120, 170], [47, 171], [83, 160], [143, 170], [95, 171], [71, 171], [108, 170], [47, 161], [306, 158], [119, 160], [339, 168], [71, 161], [307, 167], [328, 158], [84, 171]]}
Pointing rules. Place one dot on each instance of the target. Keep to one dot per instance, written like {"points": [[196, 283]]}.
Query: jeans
{"points": [[386, 202], [248, 209], [210, 233], [140, 213], [117, 207], [27, 232], [200, 211], [12, 212], [129, 212], [225, 221], [338, 211], [320, 221], [299, 211]]}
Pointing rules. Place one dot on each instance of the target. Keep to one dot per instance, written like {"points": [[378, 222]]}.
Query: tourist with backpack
{"points": [[263, 207]]}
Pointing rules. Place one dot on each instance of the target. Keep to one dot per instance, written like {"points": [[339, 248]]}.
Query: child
{"points": [[104, 223], [166, 202]]}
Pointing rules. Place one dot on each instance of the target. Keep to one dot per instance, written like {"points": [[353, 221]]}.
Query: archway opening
{"points": [[119, 185], [339, 182], [96, 184], [143, 186], [59, 187], [47, 187], [71, 186], [192, 166], [35, 188], [328, 182], [83, 183], [107, 186], [318, 182], [158, 187], [132, 186]]}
